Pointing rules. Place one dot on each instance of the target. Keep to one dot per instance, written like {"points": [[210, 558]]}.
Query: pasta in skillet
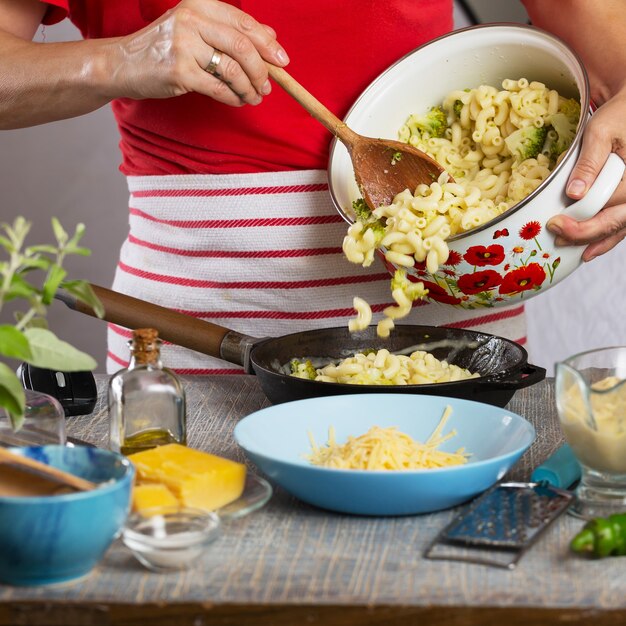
{"points": [[384, 368], [498, 145]]}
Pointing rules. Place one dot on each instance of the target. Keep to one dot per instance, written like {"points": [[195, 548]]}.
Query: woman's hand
{"points": [[605, 133], [168, 57]]}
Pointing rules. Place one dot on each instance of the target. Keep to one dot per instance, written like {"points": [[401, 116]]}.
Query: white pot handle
{"points": [[599, 193]]}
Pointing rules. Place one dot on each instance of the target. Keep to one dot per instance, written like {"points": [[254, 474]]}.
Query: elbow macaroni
{"points": [[488, 180], [385, 368]]}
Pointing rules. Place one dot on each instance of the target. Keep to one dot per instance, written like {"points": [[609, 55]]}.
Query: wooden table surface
{"points": [[291, 563]]}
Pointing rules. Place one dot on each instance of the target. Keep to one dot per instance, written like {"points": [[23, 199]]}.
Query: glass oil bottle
{"points": [[146, 400]]}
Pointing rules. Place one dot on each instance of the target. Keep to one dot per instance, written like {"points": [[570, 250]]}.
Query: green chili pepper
{"points": [[602, 536]]}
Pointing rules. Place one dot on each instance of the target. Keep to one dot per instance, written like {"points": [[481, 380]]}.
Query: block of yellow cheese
{"points": [[195, 478], [152, 495]]}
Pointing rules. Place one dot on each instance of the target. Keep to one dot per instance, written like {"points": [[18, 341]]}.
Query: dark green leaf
{"points": [[13, 343]]}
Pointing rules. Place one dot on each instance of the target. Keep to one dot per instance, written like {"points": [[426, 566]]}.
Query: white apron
{"points": [[259, 254]]}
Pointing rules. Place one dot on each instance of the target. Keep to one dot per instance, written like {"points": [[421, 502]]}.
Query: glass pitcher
{"points": [[591, 402]]}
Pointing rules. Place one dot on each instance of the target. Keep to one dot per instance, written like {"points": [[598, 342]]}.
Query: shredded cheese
{"points": [[387, 449]]}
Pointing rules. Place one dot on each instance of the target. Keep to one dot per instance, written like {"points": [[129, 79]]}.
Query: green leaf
{"points": [[78, 250], [83, 291], [20, 228], [59, 232], [48, 249], [52, 353], [37, 322], [55, 275], [13, 343], [36, 309], [12, 397], [77, 236], [19, 288], [34, 263], [6, 244]]}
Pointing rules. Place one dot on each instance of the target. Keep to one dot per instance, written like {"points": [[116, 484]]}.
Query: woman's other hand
{"points": [[605, 133], [169, 57]]}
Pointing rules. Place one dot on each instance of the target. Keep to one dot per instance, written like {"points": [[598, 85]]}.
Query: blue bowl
{"points": [[52, 539], [276, 440]]}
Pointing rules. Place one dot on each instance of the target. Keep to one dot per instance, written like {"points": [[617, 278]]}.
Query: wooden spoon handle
{"points": [[52, 473], [336, 126]]}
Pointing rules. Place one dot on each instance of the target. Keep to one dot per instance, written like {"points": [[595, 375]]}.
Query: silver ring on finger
{"points": [[213, 66]]}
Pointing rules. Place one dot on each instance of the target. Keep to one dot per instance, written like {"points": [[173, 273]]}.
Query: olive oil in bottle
{"points": [[146, 400]]}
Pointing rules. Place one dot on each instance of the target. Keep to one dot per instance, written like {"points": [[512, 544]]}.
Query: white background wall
{"points": [[69, 169]]}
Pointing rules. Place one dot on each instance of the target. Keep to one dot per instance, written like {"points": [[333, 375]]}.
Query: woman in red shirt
{"points": [[230, 217]]}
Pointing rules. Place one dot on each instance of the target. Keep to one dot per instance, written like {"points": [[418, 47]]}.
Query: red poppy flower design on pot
{"points": [[486, 276], [454, 258], [530, 231], [479, 281], [485, 255], [523, 279], [439, 293]]}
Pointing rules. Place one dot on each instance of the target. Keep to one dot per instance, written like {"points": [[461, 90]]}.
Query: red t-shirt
{"points": [[336, 47]]}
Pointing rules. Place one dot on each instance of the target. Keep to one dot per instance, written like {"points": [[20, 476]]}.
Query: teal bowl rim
{"points": [[104, 487], [532, 432]]}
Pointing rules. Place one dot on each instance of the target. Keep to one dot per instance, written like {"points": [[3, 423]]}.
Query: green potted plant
{"points": [[29, 278]]}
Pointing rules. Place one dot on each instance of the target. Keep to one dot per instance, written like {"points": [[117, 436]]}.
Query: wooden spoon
{"points": [[41, 469], [382, 167]]}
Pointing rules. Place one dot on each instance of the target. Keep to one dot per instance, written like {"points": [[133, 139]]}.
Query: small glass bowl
{"points": [[170, 538]]}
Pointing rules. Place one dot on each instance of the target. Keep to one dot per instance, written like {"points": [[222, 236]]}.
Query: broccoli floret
{"points": [[457, 107], [361, 210], [367, 351], [303, 369], [378, 228], [570, 108], [364, 215], [413, 291], [527, 142], [434, 122], [565, 128], [564, 122]]}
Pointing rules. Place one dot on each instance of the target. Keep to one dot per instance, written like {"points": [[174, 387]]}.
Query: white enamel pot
{"points": [[513, 257]]}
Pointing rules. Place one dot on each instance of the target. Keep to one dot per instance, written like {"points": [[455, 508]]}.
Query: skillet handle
{"points": [[178, 328], [527, 376]]}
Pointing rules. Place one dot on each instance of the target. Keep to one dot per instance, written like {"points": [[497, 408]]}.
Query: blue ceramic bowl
{"points": [[276, 440], [52, 539]]}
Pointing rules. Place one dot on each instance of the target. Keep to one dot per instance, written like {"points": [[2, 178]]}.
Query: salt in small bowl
{"points": [[170, 538]]}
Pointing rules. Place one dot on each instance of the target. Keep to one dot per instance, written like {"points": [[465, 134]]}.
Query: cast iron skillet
{"points": [[502, 364]]}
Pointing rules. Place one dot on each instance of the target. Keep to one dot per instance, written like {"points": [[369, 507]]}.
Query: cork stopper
{"points": [[145, 345]]}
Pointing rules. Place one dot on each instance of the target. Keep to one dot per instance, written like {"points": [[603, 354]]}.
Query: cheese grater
{"points": [[501, 524]]}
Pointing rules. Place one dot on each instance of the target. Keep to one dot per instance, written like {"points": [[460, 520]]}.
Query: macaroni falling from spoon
{"points": [[499, 145]]}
